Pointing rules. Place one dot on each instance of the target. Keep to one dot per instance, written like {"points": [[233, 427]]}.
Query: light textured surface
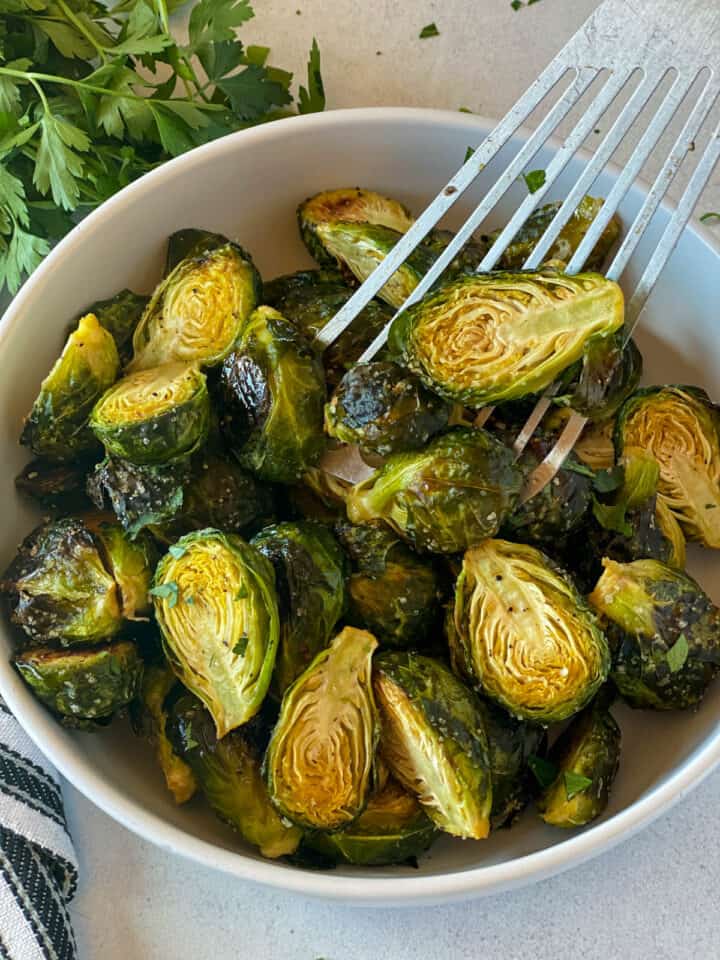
{"points": [[657, 895]]}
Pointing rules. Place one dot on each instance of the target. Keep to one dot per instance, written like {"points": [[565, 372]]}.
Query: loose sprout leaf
{"points": [[543, 770], [677, 654], [534, 180], [311, 99], [430, 30], [575, 783]]}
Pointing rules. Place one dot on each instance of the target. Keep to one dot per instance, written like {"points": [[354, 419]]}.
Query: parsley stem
{"points": [[81, 28], [39, 90]]}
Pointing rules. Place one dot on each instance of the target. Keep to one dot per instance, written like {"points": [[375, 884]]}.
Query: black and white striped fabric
{"points": [[38, 869]]}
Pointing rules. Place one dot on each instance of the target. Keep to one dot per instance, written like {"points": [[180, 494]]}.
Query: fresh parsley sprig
{"points": [[93, 97]]}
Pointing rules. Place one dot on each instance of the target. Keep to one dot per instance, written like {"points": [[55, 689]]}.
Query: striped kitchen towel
{"points": [[37, 860]]}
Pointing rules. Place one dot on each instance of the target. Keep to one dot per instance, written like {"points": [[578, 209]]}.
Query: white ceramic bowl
{"points": [[248, 186]]}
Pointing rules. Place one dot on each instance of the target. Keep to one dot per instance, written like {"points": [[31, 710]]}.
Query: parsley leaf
{"points": [[543, 770], [430, 30], [677, 654], [534, 180], [212, 21], [709, 216], [253, 92], [575, 783], [166, 591], [58, 163], [311, 99], [242, 593], [469, 152], [177, 551], [241, 646], [605, 481]]}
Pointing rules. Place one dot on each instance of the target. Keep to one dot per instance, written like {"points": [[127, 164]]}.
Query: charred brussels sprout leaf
{"points": [[273, 392], [680, 427], [524, 635], [666, 631], [229, 775], [493, 337], [309, 578], [320, 760], [384, 409], [60, 586], [158, 682], [587, 755], [434, 742], [394, 593], [83, 685], [57, 486], [392, 829], [198, 311], [154, 416], [57, 426], [120, 316], [455, 492], [568, 239], [216, 606], [347, 205], [357, 248], [310, 299], [139, 496], [193, 243]]}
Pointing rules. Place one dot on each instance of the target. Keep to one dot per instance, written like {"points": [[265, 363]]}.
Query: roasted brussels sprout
{"points": [[493, 337], [666, 632], [310, 299], [273, 393], [568, 239], [119, 315], [130, 562], [154, 416], [332, 491], [443, 499], [595, 448], [357, 248], [229, 775], [57, 426], [587, 756], [511, 743], [392, 829], [680, 427], [394, 593], [158, 682], [434, 742], [309, 579], [348, 205], [61, 587], [216, 606], [524, 635], [467, 261], [319, 763], [83, 685], [57, 486], [193, 243], [140, 496], [384, 409], [198, 311]]}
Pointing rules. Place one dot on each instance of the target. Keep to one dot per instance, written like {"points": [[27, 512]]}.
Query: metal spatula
{"points": [[666, 47]]}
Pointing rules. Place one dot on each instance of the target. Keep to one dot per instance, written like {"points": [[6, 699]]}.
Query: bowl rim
{"points": [[360, 890]]}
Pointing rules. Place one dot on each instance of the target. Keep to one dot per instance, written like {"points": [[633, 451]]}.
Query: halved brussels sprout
{"points": [[216, 606], [309, 579], [82, 685], [568, 240], [493, 337], [55, 485], [443, 499], [57, 425], [434, 742], [158, 682], [198, 311], [139, 496], [130, 562], [357, 248], [191, 242], [273, 392], [154, 416], [384, 409], [229, 774], [524, 634], [394, 593], [680, 427], [667, 633], [587, 756], [310, 299], [392, 829], [349, 205], [319, 763], [119, 315], [61, 586]]}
